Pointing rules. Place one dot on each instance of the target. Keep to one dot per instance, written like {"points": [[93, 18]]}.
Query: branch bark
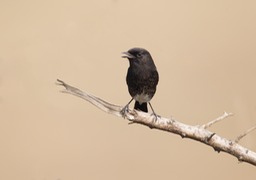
{"points": [[198, 133]]}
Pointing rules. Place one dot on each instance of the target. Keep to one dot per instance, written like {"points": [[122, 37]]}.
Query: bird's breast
{"points": [[142, 98]]}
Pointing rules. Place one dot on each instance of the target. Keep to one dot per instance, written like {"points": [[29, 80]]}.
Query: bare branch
{"points": [[225, 115], [103, 105], [171, 125], [245, 133]]}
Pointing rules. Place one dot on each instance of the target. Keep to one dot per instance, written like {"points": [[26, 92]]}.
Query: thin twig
{"points": [[245, 133], [209, 124]]}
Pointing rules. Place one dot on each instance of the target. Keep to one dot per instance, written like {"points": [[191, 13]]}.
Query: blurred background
{"points": [[205, 55]]}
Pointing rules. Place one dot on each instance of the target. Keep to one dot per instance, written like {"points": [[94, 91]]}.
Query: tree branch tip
{"points": [[229, 114], [245, 134], [218, 119], [60, 82]]}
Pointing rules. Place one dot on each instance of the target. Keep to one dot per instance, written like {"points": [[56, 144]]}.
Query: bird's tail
{"points": [[141, 107]]}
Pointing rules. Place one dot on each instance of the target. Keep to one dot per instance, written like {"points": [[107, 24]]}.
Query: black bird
{"points": [[142, 78]]}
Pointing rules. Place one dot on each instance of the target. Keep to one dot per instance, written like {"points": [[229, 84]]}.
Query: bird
{"points": [[142, 78]]}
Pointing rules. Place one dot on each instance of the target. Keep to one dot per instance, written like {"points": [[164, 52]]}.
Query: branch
{"points": [[198, 133]]}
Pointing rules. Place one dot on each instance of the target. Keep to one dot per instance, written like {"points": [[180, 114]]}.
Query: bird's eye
{"points": [[139, 55]]}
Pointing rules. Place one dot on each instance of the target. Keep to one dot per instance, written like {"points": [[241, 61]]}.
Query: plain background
{"points": [[205, 55]]}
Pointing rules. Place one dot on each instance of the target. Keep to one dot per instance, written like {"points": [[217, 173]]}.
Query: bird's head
{"points": [[137, 54]]}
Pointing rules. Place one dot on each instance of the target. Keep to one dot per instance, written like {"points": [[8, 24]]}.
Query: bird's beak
{"points": [[127, 55]]}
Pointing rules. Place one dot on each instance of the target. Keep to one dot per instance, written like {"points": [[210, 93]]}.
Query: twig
{"points": [[170, 125], [103, 105], [245, 133], [225, 115]]}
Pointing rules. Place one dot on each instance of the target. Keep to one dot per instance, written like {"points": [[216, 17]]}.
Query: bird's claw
{"points": [[155, 116], [124, 111]]}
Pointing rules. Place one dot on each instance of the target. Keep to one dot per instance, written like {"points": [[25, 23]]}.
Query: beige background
{"points": [[204, 52]]}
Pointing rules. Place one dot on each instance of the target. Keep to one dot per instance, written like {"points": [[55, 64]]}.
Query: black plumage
{"points": [[142, 78]]}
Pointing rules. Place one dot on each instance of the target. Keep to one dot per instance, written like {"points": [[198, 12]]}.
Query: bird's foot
{"points": [[124, 111], [155, 116]]}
